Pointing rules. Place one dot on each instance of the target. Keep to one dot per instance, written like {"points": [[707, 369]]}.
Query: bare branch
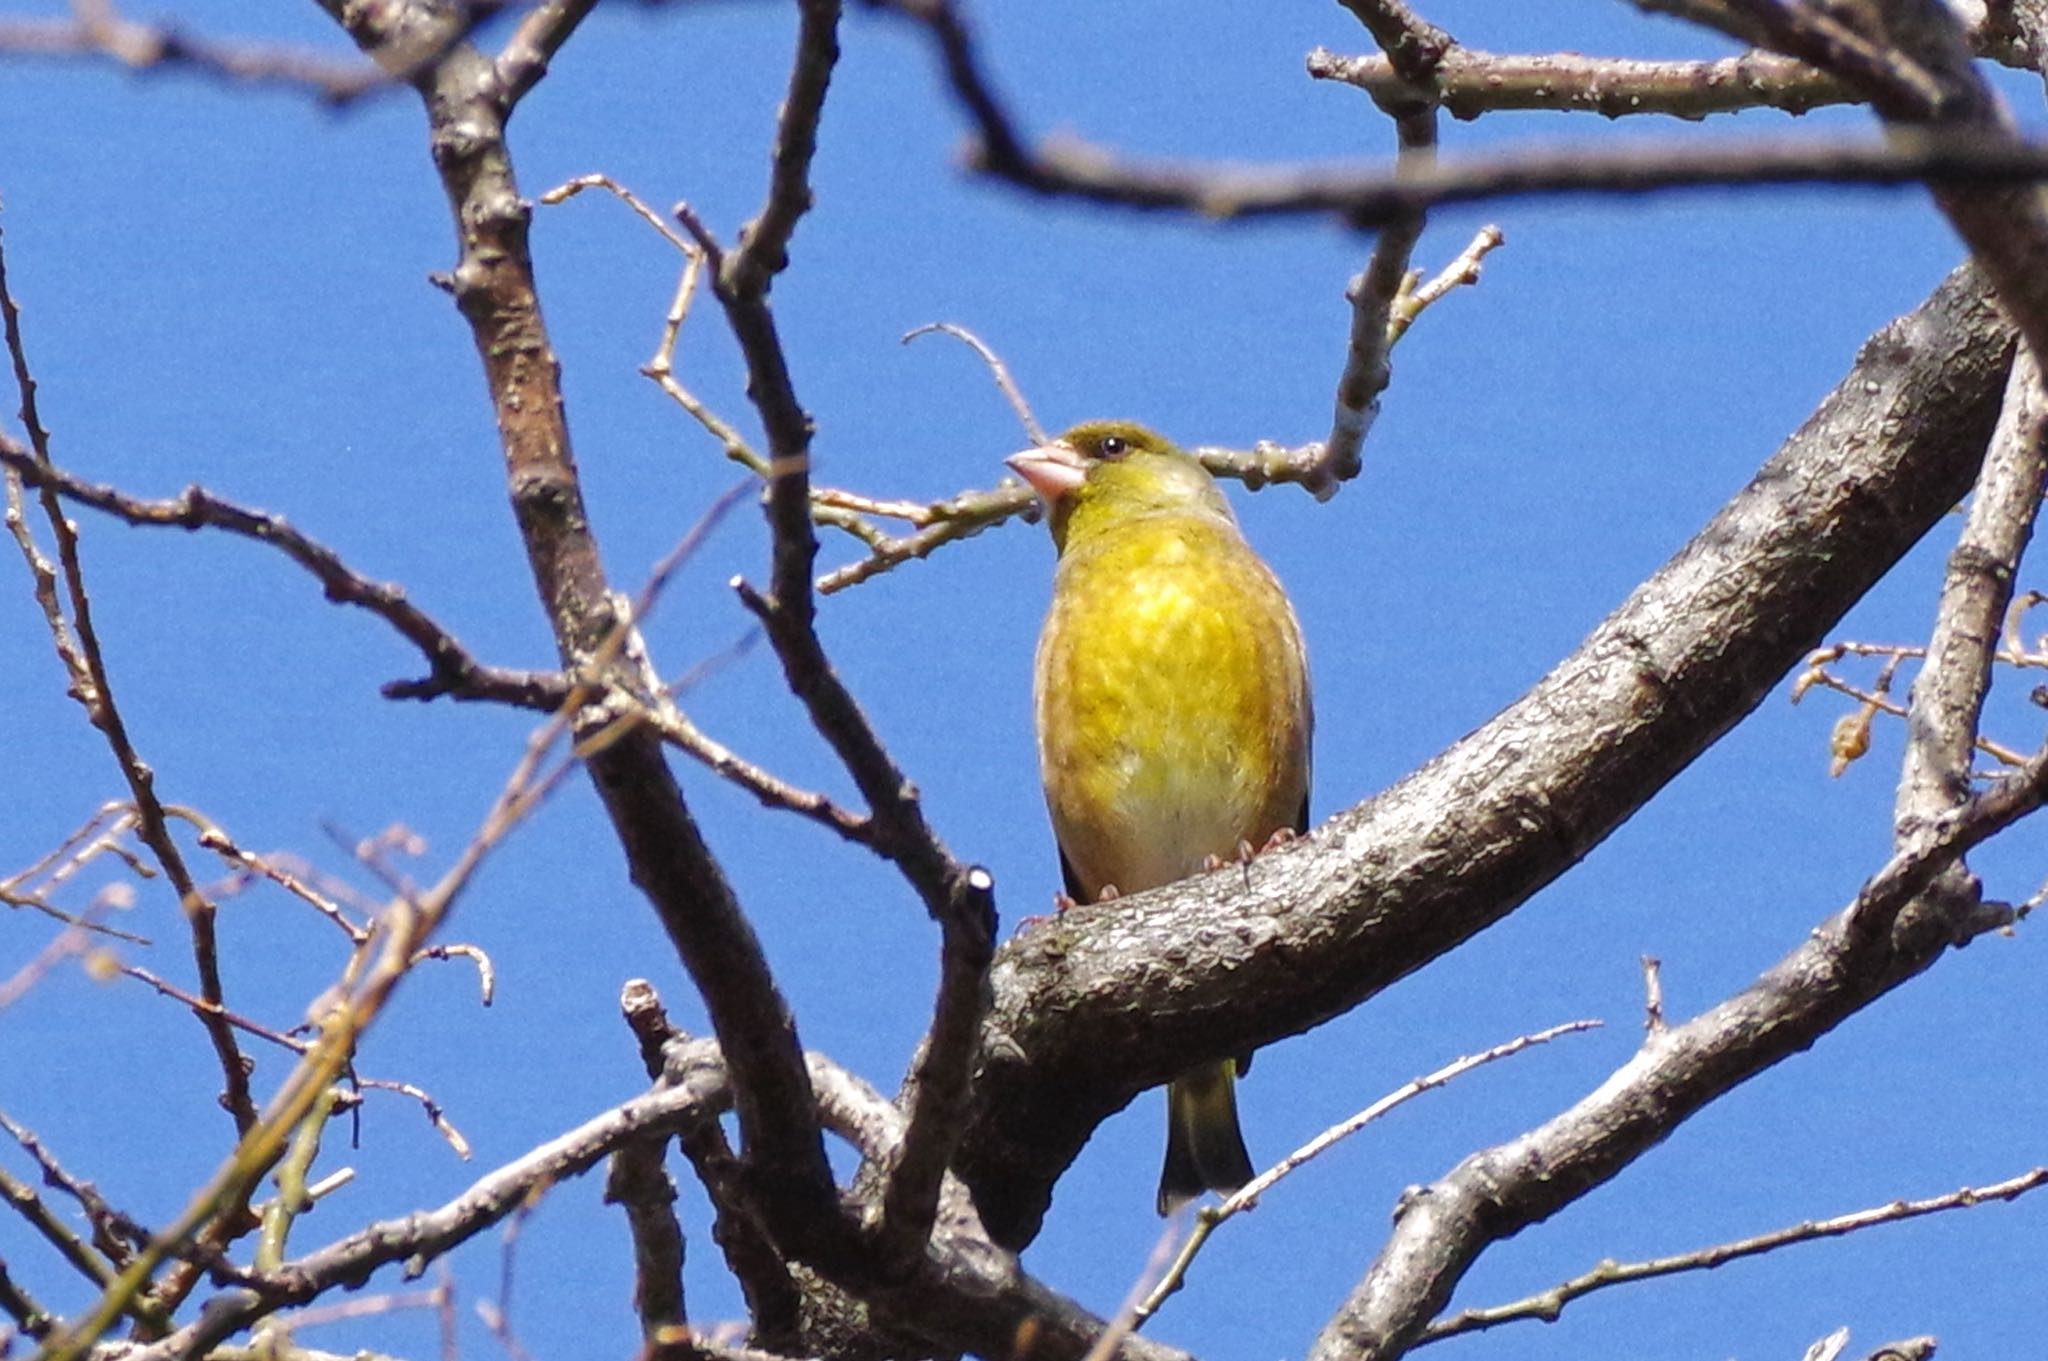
{"points": [[1653, 994], [960, 898], [1247, 1197], [534, 43], [1413, 47], [30, 1316], [1376, 197], [1467, 82], [1948, 695], [217, 1211], [936, 1095], [997, 370], [640, 1185], [1884, 71], [20, 1197], [1851, 737], [95, 691], [770, 789], [162, 48], [1373, 196], [1417, 297], [1548, 1305], [950, 521], [454, 671], [742, 278]]}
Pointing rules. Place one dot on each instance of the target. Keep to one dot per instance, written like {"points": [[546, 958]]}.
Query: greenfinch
{"points": [[1172, 702]]}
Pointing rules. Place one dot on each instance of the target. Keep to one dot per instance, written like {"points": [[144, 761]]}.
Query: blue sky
{"points": [[231, 288]]}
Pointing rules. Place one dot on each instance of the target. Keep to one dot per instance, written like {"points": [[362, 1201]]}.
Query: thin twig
{"points": [[997, 369], [1417, 297], [1849, 742], [1653, 993], [771, 790], [1468, 82], [1414, 47], [1209, 1218], [105, 715], [1550, 1304], [962, 517], [1375, 196], [431, 1108], [534, 43], [163, 48], [215, 838], [454, 671], [486, 974], [410, 924]]}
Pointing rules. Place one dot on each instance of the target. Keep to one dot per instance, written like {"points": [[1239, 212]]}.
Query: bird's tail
{"points": [[1204, 1148]]}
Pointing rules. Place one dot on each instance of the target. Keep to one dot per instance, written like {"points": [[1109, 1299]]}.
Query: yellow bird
{"points": [[1173, 711]]}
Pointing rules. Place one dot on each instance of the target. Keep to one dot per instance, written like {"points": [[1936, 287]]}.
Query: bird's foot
{"points": [[1246, 853], [1060, 903], [1108, 893]]}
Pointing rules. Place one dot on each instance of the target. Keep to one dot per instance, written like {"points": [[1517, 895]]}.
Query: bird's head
{"points": [[1102, 474]]}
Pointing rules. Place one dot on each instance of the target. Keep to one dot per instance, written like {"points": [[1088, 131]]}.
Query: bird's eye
{"points": [[1114, 446]]}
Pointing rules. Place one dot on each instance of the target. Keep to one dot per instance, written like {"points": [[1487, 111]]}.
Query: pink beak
{"points": [[1053, 470]]}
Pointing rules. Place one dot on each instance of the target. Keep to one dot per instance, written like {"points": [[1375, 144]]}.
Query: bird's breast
{"points": [[1172, 708]]}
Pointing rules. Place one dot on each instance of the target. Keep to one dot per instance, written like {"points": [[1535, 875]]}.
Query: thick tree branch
{"points": [[1104, 1001]]}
